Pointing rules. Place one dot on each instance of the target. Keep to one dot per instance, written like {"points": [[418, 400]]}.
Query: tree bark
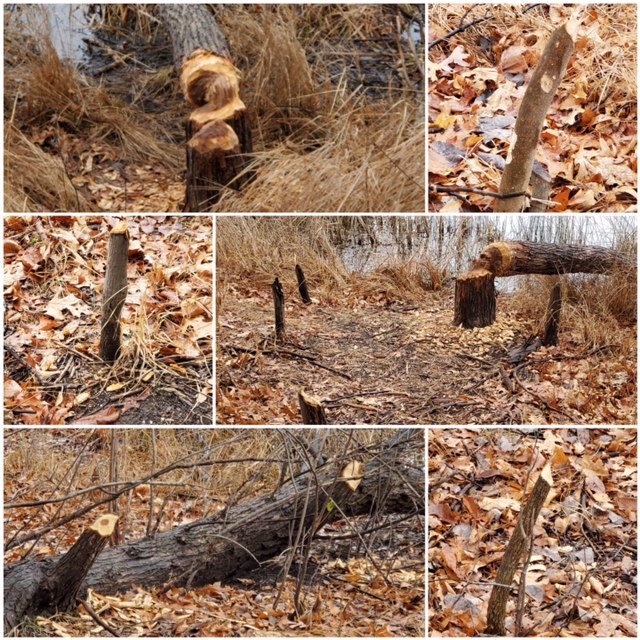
{"points": [[218, 128], [497, 609], [552, 318], [34, 587], [216, 547], [474, 297], [302, 285], [115, 292], [278, 307], [311, 409], [532, 113]]}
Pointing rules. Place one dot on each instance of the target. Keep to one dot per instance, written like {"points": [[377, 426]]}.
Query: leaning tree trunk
{"points": [[475, 292], [33, 587], [218, 128], [532, 114], [216, 547]]}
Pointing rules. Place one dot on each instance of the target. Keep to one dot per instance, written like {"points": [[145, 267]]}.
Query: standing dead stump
{"points": [[311, 409], [552, 319], [115, 292], [475, 299], [497, 609], [302, 285], [532, 114], [278, 305]]}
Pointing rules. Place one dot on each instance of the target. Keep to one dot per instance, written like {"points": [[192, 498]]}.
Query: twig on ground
{"points": [[97, 619]]}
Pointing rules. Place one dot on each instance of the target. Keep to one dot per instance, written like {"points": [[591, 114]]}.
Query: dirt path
{"points": [[406, 364]]}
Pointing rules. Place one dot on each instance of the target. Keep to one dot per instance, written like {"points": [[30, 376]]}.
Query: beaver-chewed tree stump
{"points": [[218, 127], [475, 301]]}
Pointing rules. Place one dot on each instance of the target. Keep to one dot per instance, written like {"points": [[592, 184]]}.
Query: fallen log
{"points": [[214, 548], [114, 293], [475, 289], [218, 128]]}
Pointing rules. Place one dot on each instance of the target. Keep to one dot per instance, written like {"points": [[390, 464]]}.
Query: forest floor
{"points": [[344, 588], [344, 105], [580, 581], [402, 362], [53, 276]]}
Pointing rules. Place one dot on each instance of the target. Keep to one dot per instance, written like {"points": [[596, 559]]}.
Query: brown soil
{"points": [[405, 363]]}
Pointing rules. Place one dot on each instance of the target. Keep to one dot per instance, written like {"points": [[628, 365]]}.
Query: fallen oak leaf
{"points": [[108, 415]]}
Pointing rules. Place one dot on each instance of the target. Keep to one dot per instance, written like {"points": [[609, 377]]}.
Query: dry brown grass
{"points": [[609, 66], [320, 143], [597, 310]]}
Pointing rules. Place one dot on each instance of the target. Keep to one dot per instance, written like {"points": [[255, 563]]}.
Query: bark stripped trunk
{"points": [[218, 128], [214, 548], [34, 587], [474, 297], [496, 611], [115, 292]]}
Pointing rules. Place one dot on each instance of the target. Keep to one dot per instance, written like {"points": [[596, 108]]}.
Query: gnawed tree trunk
{"points": [[115, 292], [497, 609], [311, 409], [34, 587], [475, 291], [216, 547], [532, 113], [218, 129]]}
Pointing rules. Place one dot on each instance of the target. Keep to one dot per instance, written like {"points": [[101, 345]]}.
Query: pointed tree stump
{"points": [[53, 586], [115, 292], [218, 128], [475, 299], [278, 305], [497, 609], [302, 285], [311, 409]]}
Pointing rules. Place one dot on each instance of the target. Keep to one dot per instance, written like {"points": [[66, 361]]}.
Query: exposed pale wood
{"points": [[531, 116], [33, 587], [218, 129], [311, 409]]}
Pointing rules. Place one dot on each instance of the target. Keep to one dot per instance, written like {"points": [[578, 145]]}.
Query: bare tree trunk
{"points": [[302, 285], [216, 547], [552, 319], [115, 292], [218, 128], [278, 307]]}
